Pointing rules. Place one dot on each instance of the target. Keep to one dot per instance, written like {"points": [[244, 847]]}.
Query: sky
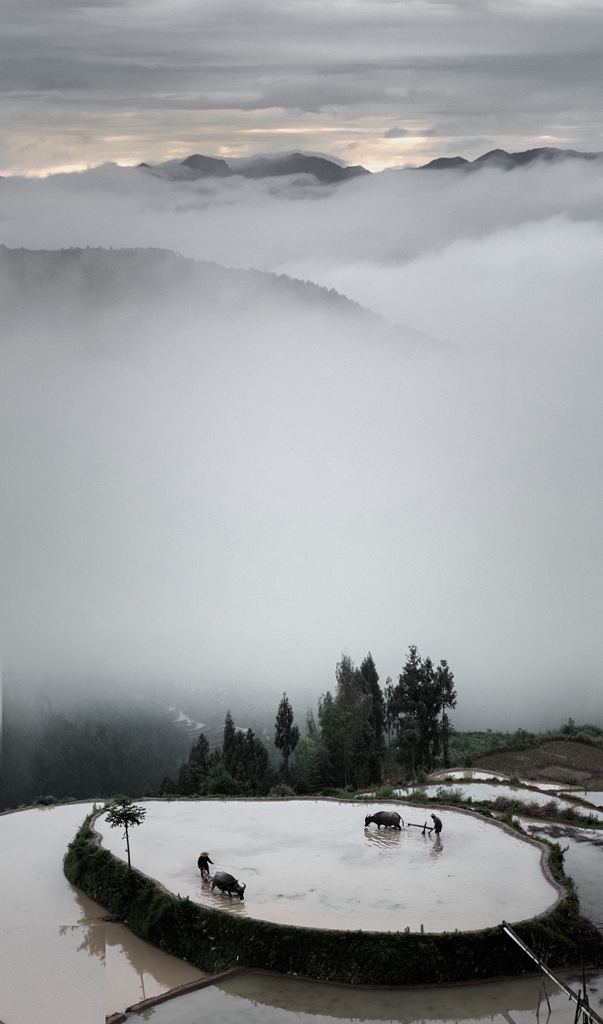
{"points": [[382, 83], [238, 496]]}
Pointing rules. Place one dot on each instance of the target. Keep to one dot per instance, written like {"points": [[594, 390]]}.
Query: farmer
{"points": [[437, 824], [203, 865]]}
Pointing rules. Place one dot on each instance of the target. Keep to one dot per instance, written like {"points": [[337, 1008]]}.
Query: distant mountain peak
{"points": [[262, 166], [508, 161], [272, 166], [207, 166]]}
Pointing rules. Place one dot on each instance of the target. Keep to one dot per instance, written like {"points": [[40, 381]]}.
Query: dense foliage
{"points": [[85, 750], [240, 768], [344, 747]]}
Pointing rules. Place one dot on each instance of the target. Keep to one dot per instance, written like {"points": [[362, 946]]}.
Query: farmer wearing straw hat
{"points": [[203, 865]]}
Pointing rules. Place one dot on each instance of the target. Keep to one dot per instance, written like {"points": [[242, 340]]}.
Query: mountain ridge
{"points": [[95, 278], [505, 161], [276, 165]]}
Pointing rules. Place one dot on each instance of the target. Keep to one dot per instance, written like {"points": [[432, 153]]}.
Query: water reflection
{"points": [[386, 840], [257, 998], [59, 951], [438, 846]]}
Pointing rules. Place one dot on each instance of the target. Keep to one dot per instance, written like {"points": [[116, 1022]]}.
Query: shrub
{"points": [[418, 796], [449, 795], [281, 789]]}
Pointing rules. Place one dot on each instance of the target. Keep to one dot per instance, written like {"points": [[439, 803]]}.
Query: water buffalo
{"points": [[227, 883], [384, 818]]}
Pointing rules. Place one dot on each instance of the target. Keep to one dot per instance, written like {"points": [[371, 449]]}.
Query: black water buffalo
{"points": [[384, 818], [227, 883]]}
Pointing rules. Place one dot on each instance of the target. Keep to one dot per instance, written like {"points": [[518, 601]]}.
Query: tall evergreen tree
{"points": [[286, 734], [351, 704], [347, 725], [389, 709], [229, 743], [375, 714], [423, 694], [313, 759], [448, 696]]}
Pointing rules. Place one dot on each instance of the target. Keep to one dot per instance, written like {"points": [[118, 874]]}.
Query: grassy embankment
{"points": [[213, 940]]}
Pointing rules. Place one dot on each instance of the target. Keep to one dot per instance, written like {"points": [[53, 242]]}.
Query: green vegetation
{"points": [[65, 749], [465, 747], [359, 736], [286, 734], [240, 768], [213, 940], [346, 746], [124, 814]]}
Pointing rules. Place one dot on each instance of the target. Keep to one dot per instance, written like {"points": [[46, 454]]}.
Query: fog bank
{"points": [[232, 483]]}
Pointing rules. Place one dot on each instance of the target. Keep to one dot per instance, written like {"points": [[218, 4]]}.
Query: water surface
{"points": [[265, 999], [313, 863], [57, 953]]}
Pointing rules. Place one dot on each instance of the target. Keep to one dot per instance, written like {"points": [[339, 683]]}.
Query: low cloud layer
{"points": [[236, 494]]}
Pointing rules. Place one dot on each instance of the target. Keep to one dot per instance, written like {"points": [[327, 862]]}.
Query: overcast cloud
{"points": [[240, 498], [124, 80]]}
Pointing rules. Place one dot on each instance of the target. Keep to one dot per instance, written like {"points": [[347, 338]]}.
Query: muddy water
{"points": [[594, 796], [490, 791], [584, 862], [469, 774], [313, 863], [264, 999], [57, 954]]}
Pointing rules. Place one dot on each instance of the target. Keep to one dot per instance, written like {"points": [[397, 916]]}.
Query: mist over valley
{"points": [[225, 477]]}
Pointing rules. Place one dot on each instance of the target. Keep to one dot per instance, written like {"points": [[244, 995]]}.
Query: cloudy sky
{"points": [[377, 82]]}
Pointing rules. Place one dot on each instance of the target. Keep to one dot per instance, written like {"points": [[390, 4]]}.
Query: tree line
{"points": [[90, 750], [359, 731]]}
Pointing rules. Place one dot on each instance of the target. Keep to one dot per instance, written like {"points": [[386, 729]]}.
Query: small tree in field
{"points": [[125, 814]]}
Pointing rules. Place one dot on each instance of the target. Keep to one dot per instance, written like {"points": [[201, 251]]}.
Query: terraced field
{"points": [[563, 761]]}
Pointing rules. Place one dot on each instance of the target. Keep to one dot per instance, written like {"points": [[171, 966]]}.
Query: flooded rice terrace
{"points": [[60, 961], [489, 791], [314, 863]]}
